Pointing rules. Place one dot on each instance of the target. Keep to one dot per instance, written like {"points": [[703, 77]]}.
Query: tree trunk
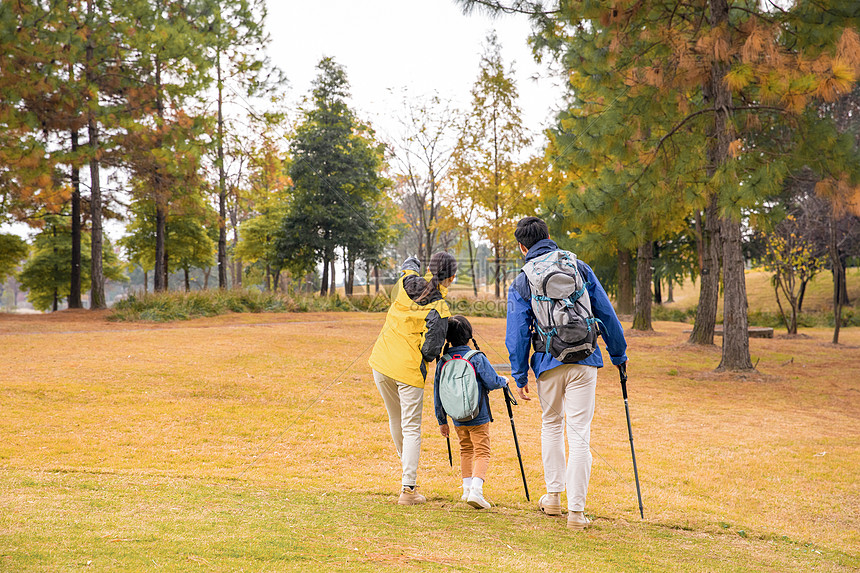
{"points": [[838, 277], [350, 276], [709, 289], [187, 280], [843, 292], [658, 277], [498, 268], [736, 347], [160, 273], [736, 354], [625, 282], [160, 201], [333, 277], [97, 278], [367, 277], [472, 262], [166, 262], [206, 272], [376, 277], [56, 303], [75, 279], [642, 310], [145, 281], [670, 295], [346, 273], [324, 282], [801, 295], [222, 184]]}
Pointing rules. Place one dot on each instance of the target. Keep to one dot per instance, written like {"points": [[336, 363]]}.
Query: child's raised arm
{"points": [[487, 376]]}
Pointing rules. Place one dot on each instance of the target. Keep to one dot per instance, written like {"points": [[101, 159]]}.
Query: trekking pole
{"points": [[450, 460], [509, 399], [622, 369]]}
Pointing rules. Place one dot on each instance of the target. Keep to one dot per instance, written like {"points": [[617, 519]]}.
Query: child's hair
{"points": [[459, 332], [443, 266]]}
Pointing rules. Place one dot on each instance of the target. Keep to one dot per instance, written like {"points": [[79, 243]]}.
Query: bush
{"points": [[169, 306], [659, 312]]}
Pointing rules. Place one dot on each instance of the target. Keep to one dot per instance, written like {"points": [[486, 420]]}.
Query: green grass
{"points": [[115, 522]]}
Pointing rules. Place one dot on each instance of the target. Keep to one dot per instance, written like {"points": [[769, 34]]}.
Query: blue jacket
{"points": [[487, 380], [520, 323]]}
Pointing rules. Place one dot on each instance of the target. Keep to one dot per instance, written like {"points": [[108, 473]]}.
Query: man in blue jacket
{"points": [[566, 391]]}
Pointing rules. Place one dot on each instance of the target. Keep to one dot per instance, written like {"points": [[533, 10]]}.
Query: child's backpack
{"points": [[565, 326], [458, 387]]}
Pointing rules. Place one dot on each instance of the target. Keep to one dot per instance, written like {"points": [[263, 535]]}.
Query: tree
{"points": [[422, 158], [793, 262], [733, 74], [188, 241], [237, 44], [46, 273], [13, 249], [491, 141], [335, 169]]}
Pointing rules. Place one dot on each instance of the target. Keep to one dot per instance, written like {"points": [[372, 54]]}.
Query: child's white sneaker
{"points": [[465, 496], [476, 500]]}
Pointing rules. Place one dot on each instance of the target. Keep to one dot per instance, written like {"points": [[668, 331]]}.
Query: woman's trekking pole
{"points": [[450, 460], [622, 369], [509, 399]]}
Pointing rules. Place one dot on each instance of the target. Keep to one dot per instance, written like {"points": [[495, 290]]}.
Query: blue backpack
{"points": [[459, 391]]}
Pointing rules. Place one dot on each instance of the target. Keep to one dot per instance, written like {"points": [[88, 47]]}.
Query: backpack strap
{"points": [[468, 355]]}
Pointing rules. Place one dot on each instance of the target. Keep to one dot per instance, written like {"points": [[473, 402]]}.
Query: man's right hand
{"points": [[523, 392]]}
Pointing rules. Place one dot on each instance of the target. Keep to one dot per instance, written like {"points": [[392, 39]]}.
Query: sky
{"points": [[387, 45]]}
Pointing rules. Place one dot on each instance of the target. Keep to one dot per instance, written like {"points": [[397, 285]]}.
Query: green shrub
{"points": [[659, 312]]}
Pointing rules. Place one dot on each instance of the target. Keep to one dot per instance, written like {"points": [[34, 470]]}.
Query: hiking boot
{"points": [[577, 520], [410, 497], [550, 503], [476, 500]]}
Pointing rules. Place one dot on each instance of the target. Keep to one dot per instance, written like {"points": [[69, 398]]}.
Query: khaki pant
{"points": [[567, 401], [404, 404], [474, 450]]}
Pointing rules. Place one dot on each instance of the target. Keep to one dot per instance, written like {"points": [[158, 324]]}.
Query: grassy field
{"points": [[259, 443], [760, 294]]}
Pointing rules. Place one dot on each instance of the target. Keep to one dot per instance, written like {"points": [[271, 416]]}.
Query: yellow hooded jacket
{"points": [[404, 348]]}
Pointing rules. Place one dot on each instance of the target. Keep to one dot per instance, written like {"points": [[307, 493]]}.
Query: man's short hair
{"points": [[530, 230]]}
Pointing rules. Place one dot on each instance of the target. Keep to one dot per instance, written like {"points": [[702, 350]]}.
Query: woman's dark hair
{"points": [[530, 230], [443, 266], [459, 332]]}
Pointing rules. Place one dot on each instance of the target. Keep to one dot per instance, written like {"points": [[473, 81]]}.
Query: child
{"points": [[474, 435]]}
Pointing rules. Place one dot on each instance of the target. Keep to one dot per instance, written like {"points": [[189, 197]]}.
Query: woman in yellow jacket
{"points": [[413, 335]]}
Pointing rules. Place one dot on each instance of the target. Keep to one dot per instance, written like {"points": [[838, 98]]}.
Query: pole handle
{"points": [[509, 396], [622, 371]]}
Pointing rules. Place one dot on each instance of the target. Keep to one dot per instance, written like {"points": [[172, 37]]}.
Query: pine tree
{"points": [[338, 194], [491, 144]]}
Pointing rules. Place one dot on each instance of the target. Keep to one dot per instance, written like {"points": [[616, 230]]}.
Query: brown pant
{"points": [[474, 450]]}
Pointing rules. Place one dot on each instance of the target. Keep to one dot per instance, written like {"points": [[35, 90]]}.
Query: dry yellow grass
{"points": [[159, 421]]}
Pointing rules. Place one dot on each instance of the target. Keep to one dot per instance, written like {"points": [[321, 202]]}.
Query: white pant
{"points": [[404, 404], [567, 399]]}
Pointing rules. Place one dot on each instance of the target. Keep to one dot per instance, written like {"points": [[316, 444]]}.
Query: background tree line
{"points": [[695, 139]]}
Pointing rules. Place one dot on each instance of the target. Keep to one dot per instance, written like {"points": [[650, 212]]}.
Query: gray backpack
{"points": [[565, 326], [458, 387]]}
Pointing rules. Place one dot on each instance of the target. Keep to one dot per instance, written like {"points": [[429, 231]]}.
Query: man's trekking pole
{"points": [[509, 399], [450, 460], [622, 369]]}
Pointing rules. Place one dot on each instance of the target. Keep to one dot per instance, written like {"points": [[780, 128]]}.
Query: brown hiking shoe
{"points": [[410, 497], [577, 520], [550, 503]]}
